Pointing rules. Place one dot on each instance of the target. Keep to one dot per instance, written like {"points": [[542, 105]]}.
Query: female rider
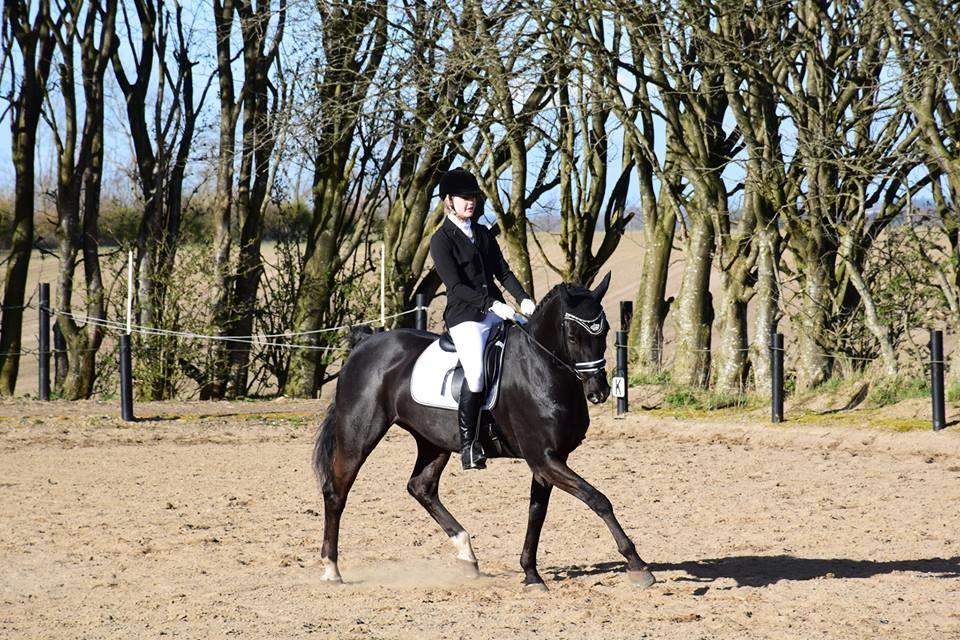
{"points": [[467, 258]]}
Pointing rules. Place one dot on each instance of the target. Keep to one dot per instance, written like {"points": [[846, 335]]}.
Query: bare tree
{"points": [[348, 174], [631, 94], [433, 98], [164, 73], [513, 72], [260, 104], [852, 151], [27, 49], [87, 32], [925, 37], [579, 67], [749, 250], [690, 83]]}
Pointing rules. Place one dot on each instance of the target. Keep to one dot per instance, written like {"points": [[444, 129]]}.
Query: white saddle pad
{"points": [[432, 380]]}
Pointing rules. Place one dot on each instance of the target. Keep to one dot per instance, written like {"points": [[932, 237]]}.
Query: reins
{"points": [[579, 368], [545, 350]]}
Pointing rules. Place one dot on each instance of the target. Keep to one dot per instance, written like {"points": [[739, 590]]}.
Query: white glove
{"points": [[527, 306], [504, 311]]}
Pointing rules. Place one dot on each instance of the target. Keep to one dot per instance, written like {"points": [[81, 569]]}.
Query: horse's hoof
{"points": [[469, 568], [535, 587], [331, 573], [642, 578]]}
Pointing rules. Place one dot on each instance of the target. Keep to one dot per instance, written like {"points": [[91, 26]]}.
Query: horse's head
{"points": [[584, 330]]}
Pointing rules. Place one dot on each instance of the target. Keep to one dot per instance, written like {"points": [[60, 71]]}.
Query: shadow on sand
{"points": [[761, 571]]}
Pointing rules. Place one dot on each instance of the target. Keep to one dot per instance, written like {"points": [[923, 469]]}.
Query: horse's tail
{"points": [[323, 445]]}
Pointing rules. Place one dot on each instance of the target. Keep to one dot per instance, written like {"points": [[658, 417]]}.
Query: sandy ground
{"points": [[203, 521]]}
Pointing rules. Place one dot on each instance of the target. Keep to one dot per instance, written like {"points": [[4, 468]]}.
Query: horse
{"points": [[551, 366]]}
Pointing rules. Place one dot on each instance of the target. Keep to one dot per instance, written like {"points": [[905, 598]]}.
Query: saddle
{"points": [[437, 374]]}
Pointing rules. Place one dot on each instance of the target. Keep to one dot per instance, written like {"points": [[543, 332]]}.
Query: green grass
{"points": [[681, 398], [953, 392], [662, 377], [832, 385], [859, 419], [889, 391], [684, 398]]}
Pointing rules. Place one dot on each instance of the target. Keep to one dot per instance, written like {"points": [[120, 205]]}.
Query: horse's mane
{"points": [[572, 289], [550, 295]]}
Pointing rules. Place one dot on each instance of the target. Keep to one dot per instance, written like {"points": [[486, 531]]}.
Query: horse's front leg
{"points": [[539, 500], [555, 470]]}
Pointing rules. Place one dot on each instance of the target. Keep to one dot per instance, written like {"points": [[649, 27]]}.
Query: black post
{"points": [[126, 380], [936, 379], [421, 314], [621, 378], [626, 314], [776, 377], [44, 341]]}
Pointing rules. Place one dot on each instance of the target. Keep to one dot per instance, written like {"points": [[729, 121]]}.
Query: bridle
{"points": [[594, 327], [583, 370]]}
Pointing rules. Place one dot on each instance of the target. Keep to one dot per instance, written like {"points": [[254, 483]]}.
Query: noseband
{"points": [[595, 327]]}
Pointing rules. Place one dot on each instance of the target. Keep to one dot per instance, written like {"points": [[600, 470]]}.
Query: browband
{"points": [[594, 327]]}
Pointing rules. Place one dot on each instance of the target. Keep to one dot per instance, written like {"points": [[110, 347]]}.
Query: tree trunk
{"points": [[871, 317], [695, 306], [354, 42], [650, 310], [766, 297], [307, 367], [18, 262], [730, 361], [321, 264], [36, 46], [812, 325], [223, 200], [79, 176]]}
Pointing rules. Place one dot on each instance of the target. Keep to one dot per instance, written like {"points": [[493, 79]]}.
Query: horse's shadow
{"points": [[761, 571]]}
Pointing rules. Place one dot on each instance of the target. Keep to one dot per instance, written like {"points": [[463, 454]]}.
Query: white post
{"points": [[129, 290], [383, 284]]}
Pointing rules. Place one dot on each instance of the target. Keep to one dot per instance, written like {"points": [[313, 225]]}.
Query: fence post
{"points": [[44, 341], [126, 380], [936, 379], [776, 377], [626, 314], [620, 380], [421, 311]]}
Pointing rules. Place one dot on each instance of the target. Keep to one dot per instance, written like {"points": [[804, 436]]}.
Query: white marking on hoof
{"points": [[330, 571], [535, 587], [464, 550]]}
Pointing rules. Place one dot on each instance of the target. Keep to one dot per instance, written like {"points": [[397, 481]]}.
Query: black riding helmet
{"points": [[459, 182]]}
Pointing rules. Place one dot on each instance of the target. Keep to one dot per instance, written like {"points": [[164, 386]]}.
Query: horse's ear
{"points": [[601, 289], [566, 297]]}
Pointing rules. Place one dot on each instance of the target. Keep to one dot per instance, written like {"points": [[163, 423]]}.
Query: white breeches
{"points": [[470, 338]]}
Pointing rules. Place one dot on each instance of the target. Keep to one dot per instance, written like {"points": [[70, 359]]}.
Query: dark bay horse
{"points": [[549, 366]]}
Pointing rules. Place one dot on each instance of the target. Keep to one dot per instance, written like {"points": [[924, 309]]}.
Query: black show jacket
{"points": [[468, 268]]}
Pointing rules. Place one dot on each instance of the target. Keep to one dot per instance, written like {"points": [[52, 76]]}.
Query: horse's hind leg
{"points": [[338, 456], [424, 485], [555, 469]]}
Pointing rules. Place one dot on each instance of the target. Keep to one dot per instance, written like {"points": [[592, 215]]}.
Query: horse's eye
{"points": [[572, 339]]}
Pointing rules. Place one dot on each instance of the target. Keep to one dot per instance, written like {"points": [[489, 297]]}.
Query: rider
{"points": [[467, 258]]}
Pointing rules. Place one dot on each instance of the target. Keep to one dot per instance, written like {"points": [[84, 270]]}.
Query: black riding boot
{"points": [[468, 415]]}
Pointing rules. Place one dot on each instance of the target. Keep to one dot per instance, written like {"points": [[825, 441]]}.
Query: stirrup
{"points": [[472, 461]]}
